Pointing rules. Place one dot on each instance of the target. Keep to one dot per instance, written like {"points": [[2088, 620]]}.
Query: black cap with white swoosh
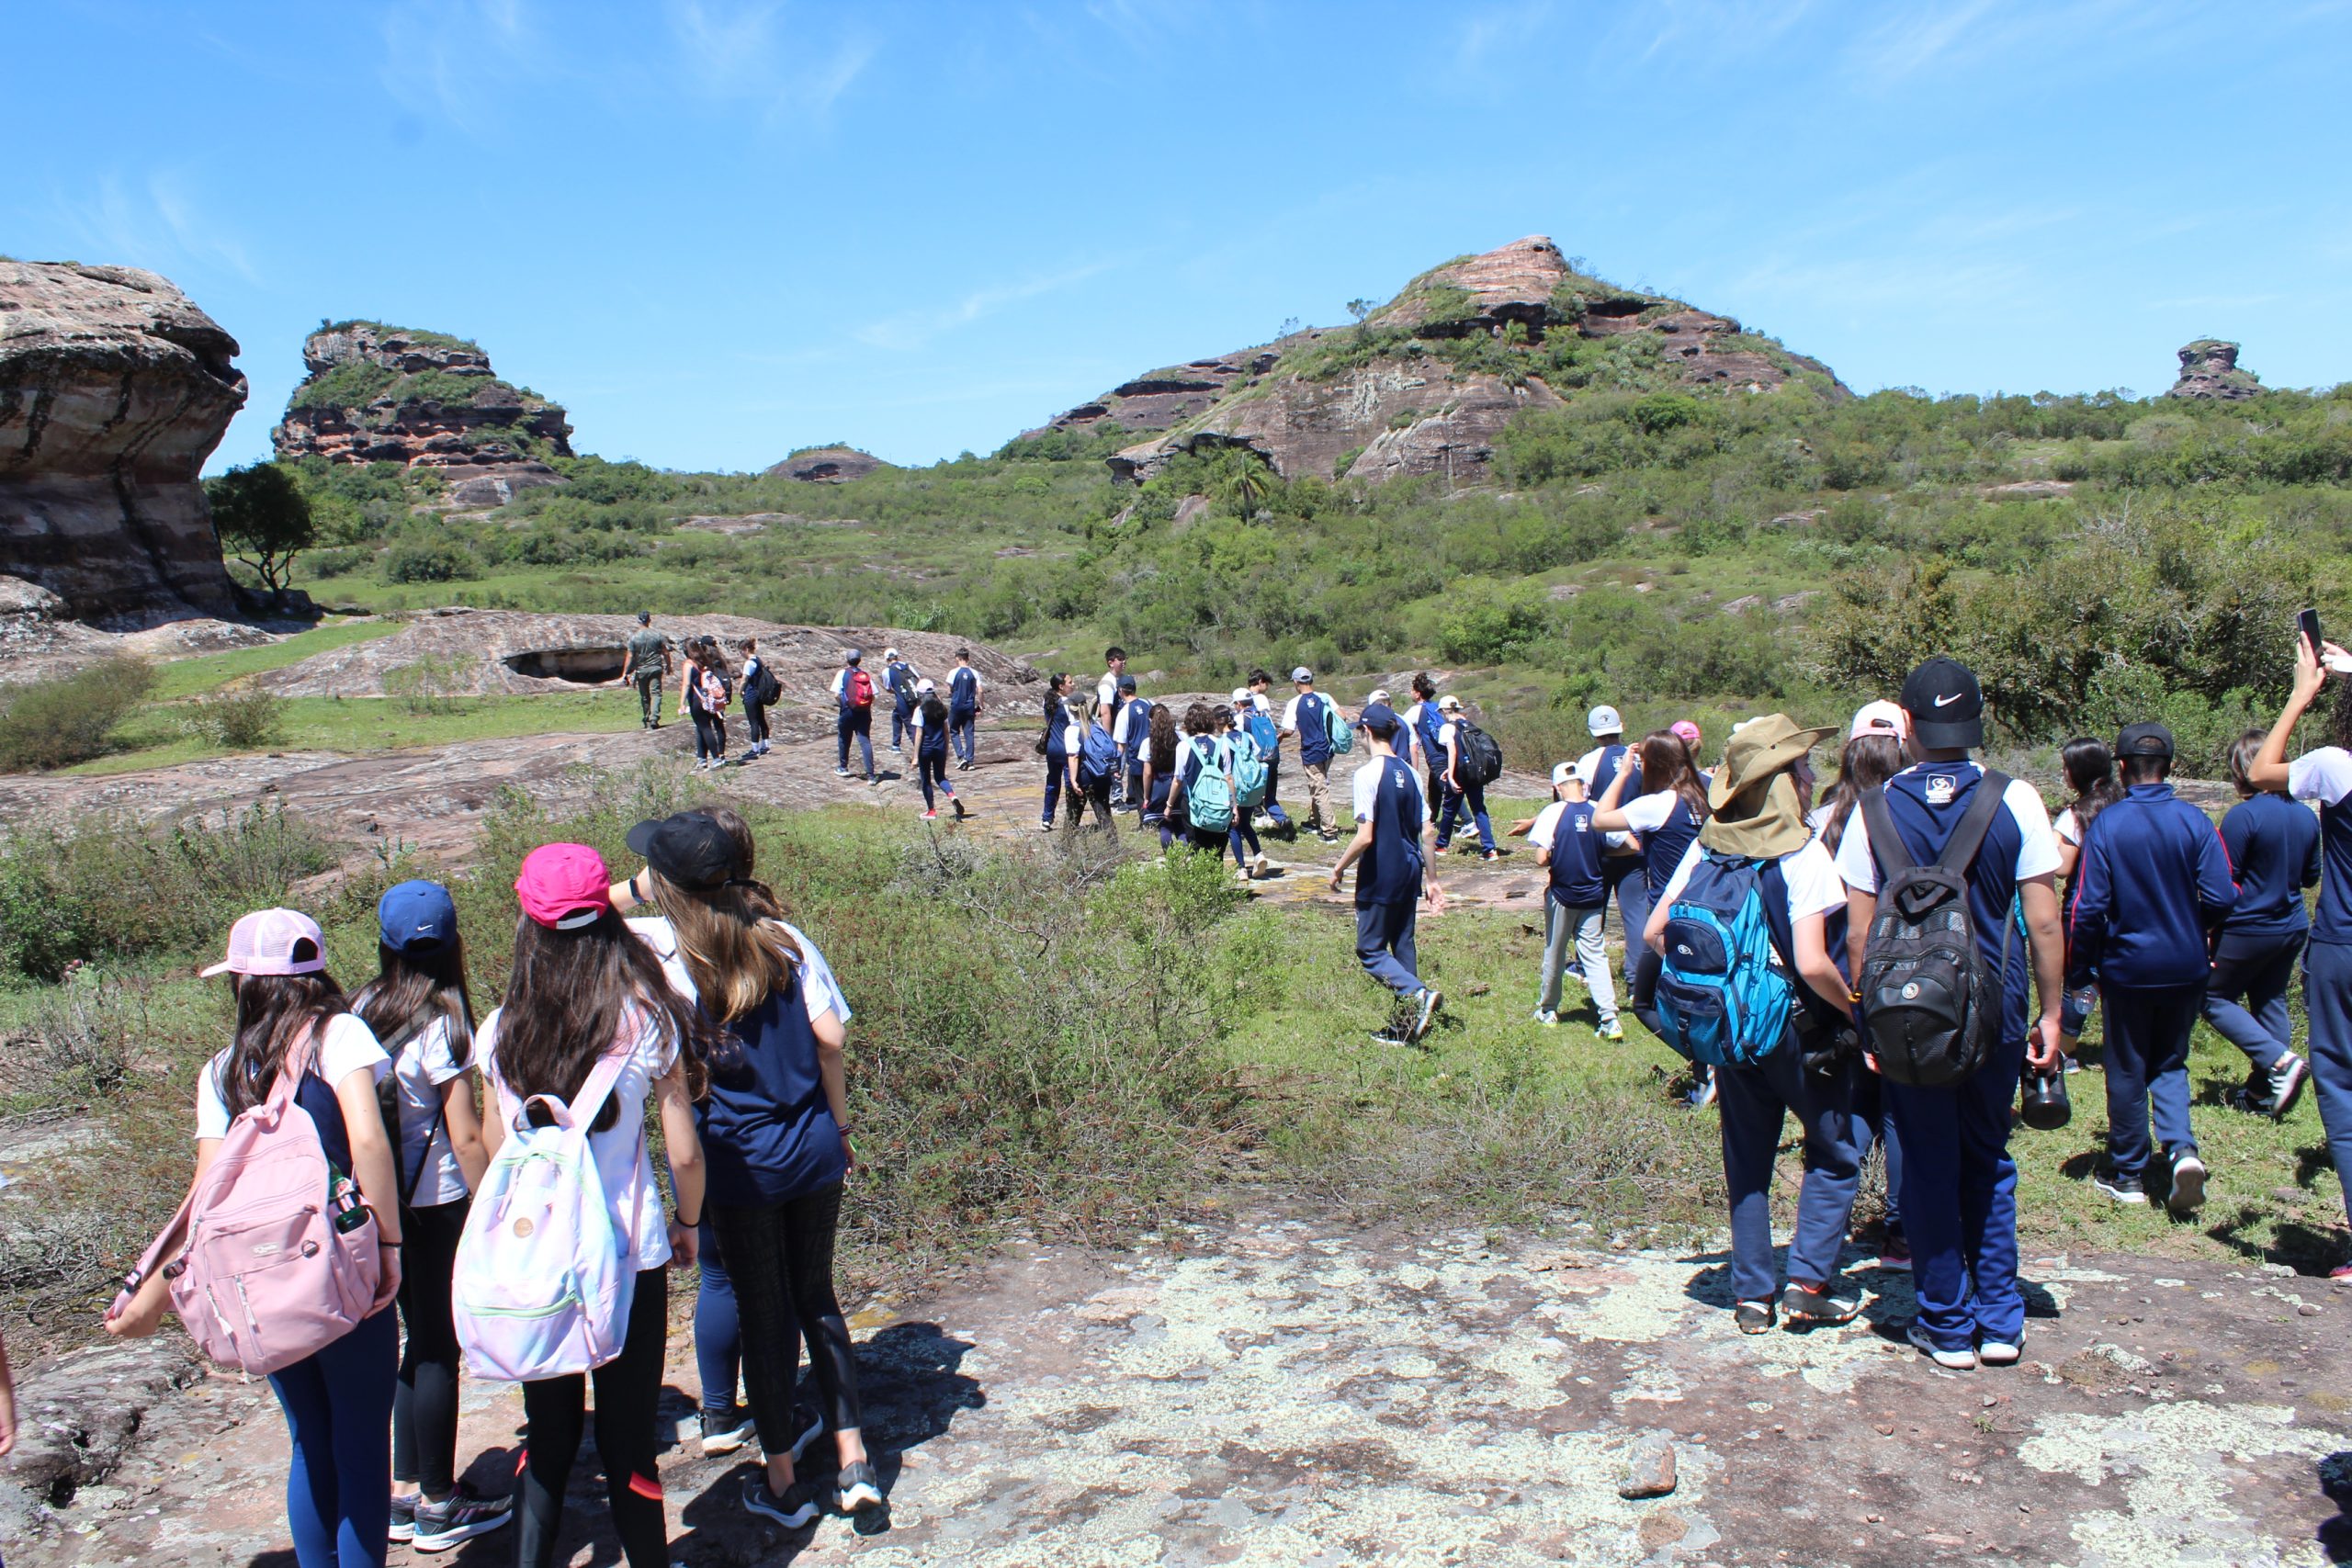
{"points": [[1946, 706]]}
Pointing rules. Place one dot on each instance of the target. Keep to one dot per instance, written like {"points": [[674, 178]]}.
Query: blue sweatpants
{"points": [[858, 722], [1754, 1102], [1959, 1201], [2260, 1025], [719, 1334], [2147, 1059], [338, 1405], [1632, 889], [2327, 998], [964, 736], [1469, 803], [1056, 775], [1385, 943]]}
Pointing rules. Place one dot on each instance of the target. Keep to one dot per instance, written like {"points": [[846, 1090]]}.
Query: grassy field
{"points": [[209, 671], [162, 735]]}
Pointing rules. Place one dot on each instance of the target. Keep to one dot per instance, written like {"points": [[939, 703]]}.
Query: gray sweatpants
{"points": [[1583, 926]]}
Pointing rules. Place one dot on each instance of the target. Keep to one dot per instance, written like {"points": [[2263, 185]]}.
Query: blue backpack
{"points": [[1098, 753], [1720, 1000], [1262, 731]]}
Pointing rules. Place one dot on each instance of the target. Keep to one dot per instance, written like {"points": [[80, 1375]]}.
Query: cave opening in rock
{"points": [[585, 666]]}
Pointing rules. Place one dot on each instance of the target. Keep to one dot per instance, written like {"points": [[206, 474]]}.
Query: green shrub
{"points": [[428, 560], [71, 718], [432, 684], [242, 717]]}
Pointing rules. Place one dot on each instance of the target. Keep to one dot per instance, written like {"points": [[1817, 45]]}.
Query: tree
{"points": [[1359, 308], [264, 520]]}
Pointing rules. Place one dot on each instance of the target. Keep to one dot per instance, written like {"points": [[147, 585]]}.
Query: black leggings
{"points": [[425, 1404], [780, 1257], [930, 767], [1093, 791], [628, 1393], [710, 738], [755, 719]]}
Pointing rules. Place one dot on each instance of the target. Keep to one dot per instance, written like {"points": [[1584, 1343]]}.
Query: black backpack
{"points": [[1477, 759], [762, 687], [1931, 1004]]}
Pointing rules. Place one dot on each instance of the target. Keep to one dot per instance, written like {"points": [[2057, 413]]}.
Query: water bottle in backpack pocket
{"points": [[1931, 1001], [1721, 999], [543, 1279]]}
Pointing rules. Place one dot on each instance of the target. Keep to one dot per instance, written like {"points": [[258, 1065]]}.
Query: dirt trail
{"points": [[1280, 1388]]}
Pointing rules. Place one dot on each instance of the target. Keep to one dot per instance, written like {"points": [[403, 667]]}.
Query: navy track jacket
{"points": [[2154, 883]]}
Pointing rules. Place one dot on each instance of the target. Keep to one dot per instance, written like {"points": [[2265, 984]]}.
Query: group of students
{"points": [[526, 1239], [711, 685], [938, 724]]}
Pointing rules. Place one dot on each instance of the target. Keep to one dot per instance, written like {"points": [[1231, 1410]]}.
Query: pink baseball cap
{"points": [[1880, 717], [564, 886], [265, 943], [1686, 729]]}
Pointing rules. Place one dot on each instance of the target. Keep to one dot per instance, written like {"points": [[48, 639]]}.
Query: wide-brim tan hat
{"points": [[1760, 748]]}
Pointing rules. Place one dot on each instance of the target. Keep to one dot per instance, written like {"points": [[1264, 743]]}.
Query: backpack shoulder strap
{"points": [[1886, 840], [1960, 851]]}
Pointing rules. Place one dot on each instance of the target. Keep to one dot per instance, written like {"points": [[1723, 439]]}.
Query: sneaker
{"points": [[1258, 865], [1390, 1034], [2122, 1188], [812, 1427], [1045, 827], [1998, 1352], [841, 772], [894, 747], [960, 812], [403, 1522], [1330, 838], [2187, 1194], [1818, 1303], [1429, 1002], [1752, 1318], [2074, 1064], [857, 1488], [1702, 1093], [457, 1517], [1547, 1017], [2341, 1274], [1612, 1031], [724, 1431], [1494, 854], [930, 815], [1894, 1252], [2286, 1080], [796, 1507], [1950, 1360]]}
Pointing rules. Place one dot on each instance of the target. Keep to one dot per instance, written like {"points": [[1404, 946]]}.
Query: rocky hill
{"points": [[114, 388], [826, 465], [1424, 384], [2209, 370], [385, 394]]}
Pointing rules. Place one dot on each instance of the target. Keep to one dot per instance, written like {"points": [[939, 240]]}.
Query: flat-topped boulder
{"points": [[826, 465], [2209, 372], [378, 393]]}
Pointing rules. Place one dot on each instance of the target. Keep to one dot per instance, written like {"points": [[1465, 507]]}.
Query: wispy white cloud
{"points": [[157, 222], [460, 59], [745, 52], [1711, 29], [1498, 28], [911, 330], [1918, 38]]}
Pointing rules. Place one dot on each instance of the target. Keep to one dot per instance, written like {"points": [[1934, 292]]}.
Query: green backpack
{"points": [[1342, 733]]}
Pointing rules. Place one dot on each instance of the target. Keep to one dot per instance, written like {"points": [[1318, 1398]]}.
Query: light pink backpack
{"points": [[259, 1270]]}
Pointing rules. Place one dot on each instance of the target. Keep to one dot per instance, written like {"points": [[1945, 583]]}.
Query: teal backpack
{"points": [[1251, 774], [1720, 1000], [1342, 733], [1209, 799]]}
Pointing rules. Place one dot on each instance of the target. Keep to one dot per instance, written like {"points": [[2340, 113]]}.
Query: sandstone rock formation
{"points": [[1425, 383], [2209, 369], [114, 388], [383, 394], [826, 465]]}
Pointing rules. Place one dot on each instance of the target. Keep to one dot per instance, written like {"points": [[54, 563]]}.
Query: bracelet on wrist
{"points": [[682, 1222]]}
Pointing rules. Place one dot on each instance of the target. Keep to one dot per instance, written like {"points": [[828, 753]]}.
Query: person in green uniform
{"points": [[648, 662]]}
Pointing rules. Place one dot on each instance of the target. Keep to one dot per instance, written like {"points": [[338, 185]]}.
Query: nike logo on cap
{"points": [[1953, 698]]}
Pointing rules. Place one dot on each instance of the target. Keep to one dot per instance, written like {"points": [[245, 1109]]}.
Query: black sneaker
{"points": [[1752, 1318], [1818, 1303], [724, 1431], [796, 1507], [459, 1517], [857, 1488], [404, 1525], [809, 1425]]}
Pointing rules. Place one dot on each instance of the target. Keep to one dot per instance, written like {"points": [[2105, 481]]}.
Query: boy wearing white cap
{"points": [[1621, 863], [1569, 848], [1308, 716]]}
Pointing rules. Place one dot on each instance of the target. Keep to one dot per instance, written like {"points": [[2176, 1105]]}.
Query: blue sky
{"points": [[718, 230]]}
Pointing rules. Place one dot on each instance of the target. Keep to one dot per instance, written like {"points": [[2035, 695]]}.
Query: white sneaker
{"points": [[1950, 1360], [1998, 1352], [1547, 1017], [1258, 865], [2187, 1193]]}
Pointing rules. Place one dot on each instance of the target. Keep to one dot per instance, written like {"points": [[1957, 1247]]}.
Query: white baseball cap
{"points": [[926, 684], [889, 653], [1562, 773], [1880, 717], [1379, 694], [1450, 703], [1241, 695], [1603, 720]]}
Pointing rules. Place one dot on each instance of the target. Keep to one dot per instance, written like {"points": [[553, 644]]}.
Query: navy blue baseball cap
{"points": [[416, 916], [1380, 718]]}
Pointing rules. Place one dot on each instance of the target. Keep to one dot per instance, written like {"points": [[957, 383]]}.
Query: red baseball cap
{"points": [[564, 886]]}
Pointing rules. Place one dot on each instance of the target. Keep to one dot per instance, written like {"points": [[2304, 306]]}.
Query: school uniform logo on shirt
{"points": [[1940, 787]]}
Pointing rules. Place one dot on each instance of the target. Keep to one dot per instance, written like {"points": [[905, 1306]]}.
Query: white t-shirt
{"points": [[346, 1046], [1814, 885], [2324, 775], [1547, 823], [624, 1163], [817, 982], [1106, 690], [2065, 827], [2037, 845], [1367, 788], [1258, 700], [1648, 813], [423, 1071], [1119, 725]]}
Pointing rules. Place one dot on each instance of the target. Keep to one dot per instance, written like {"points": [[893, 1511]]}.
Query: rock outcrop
{"points": [[1424, 384], [114, 388], [383, 394], [2209, 369], [826, 465]]}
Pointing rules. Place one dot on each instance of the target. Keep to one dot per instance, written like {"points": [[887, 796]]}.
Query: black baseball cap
{"points": [[1946, 705], [644, 618], [2144, 741], [690, 849]]}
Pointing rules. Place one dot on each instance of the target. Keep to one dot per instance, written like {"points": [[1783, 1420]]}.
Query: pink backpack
{"points": [[276, 1255]]}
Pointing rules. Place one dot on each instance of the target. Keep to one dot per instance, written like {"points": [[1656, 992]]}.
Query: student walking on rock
{"points": [[760, 690], [1092, 761], [1620, 867], [2324, 776], [774, 1134], [1756, 844], [1959, 1183], [646, 661], [928, 728], [1160, 773], [899, 679], [2273, 845], [292, 1023], [853, 698], [1131, 732], [1267, 728], [1569, 849], [2154, 888], [699, 699], [1668, 818], [964, 709], [1053, 745], [1394, 840], [1463, 796], [587, 999], [1203, 790], [1308, 716], [419, 1008]]}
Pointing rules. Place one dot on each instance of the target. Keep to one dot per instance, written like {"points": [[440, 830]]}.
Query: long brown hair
{"points": [[272, 1011], [1163, 738], [1868, 761], [1666, 765], [410, 988], [732, 937], [569, 1001]]}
